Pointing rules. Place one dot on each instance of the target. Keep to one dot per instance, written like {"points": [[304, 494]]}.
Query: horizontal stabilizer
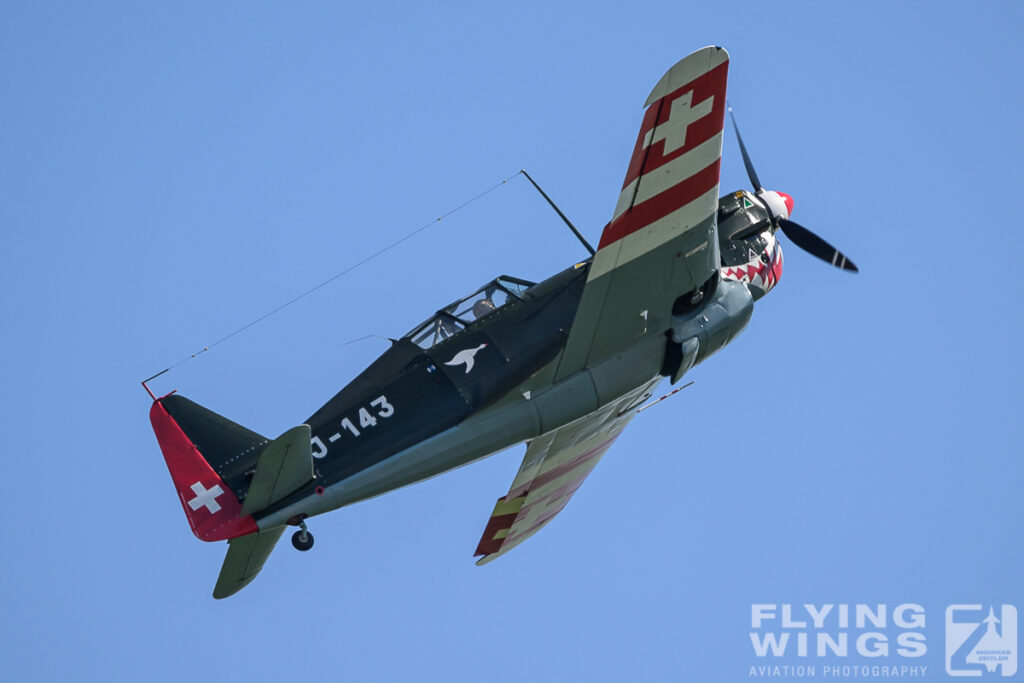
{"points": [[245, 558], [284, 466]]}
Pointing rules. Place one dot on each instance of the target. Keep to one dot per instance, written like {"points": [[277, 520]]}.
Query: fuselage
{"points": [[478, 378]]}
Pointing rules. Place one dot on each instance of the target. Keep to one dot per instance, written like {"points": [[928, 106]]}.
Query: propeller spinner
{"points": [[780, 207]]}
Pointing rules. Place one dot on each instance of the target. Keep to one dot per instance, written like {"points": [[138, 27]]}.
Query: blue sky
{"points": [[170, 172]]}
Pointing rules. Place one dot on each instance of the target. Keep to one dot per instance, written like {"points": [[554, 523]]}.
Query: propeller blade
{"points": [[814, 245], [751, 173]]}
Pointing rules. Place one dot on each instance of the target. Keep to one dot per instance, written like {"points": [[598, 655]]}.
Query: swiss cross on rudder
{"points": [[205, 497]]}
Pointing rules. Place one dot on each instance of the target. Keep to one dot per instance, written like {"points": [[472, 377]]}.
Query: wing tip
{"points": [[686, 69]]}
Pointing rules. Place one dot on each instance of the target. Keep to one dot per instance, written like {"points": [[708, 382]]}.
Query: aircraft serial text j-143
{"points": [[562, 364]]}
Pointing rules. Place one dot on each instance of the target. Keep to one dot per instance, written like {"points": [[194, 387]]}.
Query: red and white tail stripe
{"points": [[671, 184]]}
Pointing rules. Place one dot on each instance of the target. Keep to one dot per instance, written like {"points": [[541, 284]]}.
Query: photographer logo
{"points": [[981, 640]]}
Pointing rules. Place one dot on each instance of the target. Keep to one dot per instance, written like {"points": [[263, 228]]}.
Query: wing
{"points": [[553, 469], [662, 241]]}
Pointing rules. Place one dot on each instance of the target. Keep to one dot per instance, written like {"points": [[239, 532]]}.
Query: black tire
{"points": [[301, 543]]}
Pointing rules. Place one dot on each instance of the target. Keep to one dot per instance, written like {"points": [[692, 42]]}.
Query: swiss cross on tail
{"points": [[213, 511], [205, 497]]}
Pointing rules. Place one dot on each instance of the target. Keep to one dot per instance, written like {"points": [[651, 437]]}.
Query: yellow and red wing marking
{"points": [[553, 469], [518, 515]]}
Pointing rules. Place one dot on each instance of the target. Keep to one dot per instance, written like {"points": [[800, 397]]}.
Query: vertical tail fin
{"points": [[207, 456]]}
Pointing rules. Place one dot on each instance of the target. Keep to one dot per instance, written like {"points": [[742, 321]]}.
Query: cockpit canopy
{"points": [[453, 318]]}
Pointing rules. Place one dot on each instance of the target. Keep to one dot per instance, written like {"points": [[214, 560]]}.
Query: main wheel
{"points": [[302, 540]]}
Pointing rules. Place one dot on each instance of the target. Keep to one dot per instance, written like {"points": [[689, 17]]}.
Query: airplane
{"points": [[562, 365]]}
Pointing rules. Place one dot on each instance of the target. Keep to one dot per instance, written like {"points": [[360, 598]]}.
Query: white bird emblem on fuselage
{"points": [[465, 356]]}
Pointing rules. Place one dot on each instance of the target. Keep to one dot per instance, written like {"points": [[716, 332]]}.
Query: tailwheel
{"points": [[302, 539]]}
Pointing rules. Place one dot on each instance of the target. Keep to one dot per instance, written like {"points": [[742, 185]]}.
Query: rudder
{"points": [[208, 457]]}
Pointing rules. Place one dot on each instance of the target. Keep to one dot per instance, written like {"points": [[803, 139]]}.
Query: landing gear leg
{"points": [[302, 539]]}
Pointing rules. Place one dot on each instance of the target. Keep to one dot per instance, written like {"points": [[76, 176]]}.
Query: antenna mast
{"points": [[559, 212]]}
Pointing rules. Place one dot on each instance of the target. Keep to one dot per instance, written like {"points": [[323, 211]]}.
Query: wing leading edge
{"points": [[553, 468]]}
